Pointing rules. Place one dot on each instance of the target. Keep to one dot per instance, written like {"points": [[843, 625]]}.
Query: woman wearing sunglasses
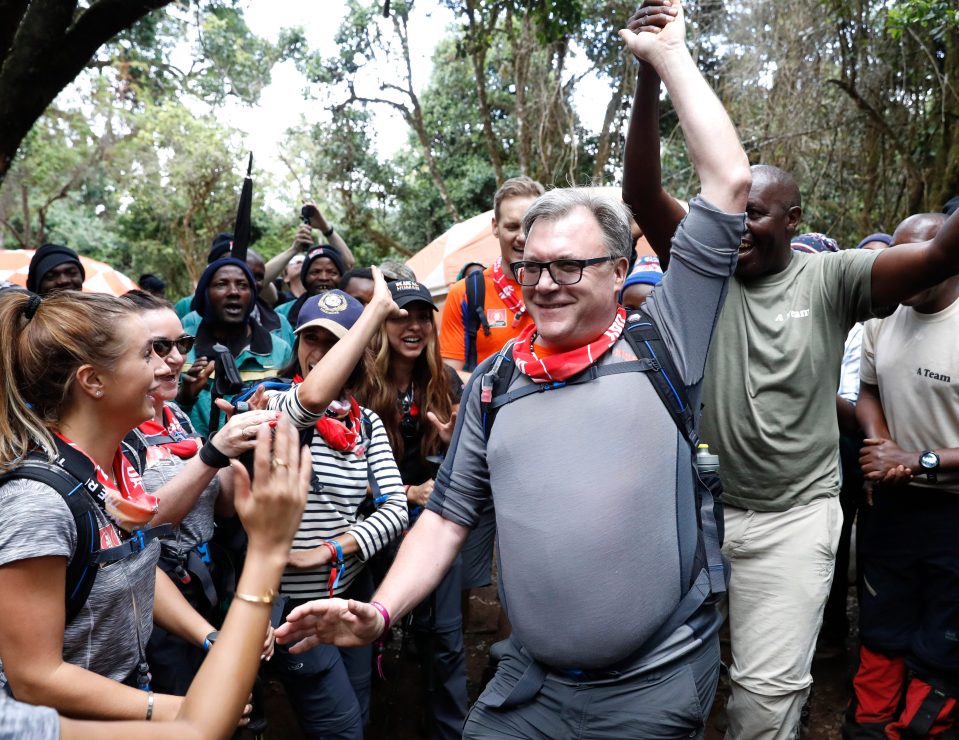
{"points": [[416, 395], [79, 372], [189, 490]]}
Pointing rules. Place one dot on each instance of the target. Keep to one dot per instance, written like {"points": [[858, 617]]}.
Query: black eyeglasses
{"points": [[563, 272], [163, 347]]}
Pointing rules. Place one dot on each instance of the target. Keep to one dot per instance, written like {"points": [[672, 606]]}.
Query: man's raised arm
{"points": [[657, 35], [902, 271], [656, 211]]}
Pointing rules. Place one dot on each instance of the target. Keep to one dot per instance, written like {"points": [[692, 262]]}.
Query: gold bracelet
{"points": [[249, 598]]}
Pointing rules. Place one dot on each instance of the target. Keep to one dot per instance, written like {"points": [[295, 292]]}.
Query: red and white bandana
{"points": [[508, 292], [564, 365], [127, 504]]}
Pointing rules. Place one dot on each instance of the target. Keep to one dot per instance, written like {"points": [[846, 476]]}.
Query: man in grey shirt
{"points": [[592, 481]]}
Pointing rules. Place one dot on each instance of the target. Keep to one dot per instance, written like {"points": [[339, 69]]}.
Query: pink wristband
{"points": [[384, 612]]}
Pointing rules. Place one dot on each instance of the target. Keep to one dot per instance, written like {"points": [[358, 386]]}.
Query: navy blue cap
{"points": [[333, 310]]}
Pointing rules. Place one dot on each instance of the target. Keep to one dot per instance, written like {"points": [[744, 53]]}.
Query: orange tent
{"points": [[101, 278]]}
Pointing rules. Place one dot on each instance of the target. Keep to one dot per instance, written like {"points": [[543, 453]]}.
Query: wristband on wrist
{"points": [[337, 564], [209, 640], [385, 613], [327, 233], [150, 699], [210, 455], [379, 644]]}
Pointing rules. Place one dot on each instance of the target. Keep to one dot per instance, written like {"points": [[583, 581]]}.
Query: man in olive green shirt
{"points": [[770, 410]]}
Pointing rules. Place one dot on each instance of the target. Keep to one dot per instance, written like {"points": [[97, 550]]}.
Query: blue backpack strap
{"points": [[643, 336], [82, 568], [475, 316], [646, 341], [137, 543]]}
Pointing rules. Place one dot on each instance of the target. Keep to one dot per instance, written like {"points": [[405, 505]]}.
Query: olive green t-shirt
{"points": [[770, 387]]}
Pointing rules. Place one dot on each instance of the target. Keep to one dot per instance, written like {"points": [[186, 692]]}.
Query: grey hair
{"points": [[396, 270], [612, 215]]}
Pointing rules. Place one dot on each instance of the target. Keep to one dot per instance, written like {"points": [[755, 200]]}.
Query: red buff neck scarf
{"points": [[127, 503], [182, 446], [564, 365], [508, 292], [340, 426]]}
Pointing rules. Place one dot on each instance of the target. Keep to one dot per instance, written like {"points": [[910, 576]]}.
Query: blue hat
{"points": [[878, 237], [333, 310], [646, 272], [201, 303], [814, 243]]}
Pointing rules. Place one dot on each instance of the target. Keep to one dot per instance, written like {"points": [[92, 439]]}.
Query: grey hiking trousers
{"points": [[670, 702]]}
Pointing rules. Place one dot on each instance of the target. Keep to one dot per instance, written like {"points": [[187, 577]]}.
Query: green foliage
{"points": [[935, 17]]}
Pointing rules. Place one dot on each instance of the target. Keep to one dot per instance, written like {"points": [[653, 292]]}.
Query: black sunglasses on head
{"points": [[162, 347]]}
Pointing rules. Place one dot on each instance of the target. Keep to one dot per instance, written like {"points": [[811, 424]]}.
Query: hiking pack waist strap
{"points": [[137, 543]]}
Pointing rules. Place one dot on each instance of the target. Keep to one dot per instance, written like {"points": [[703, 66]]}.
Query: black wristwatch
{"points": [[929, 464]]}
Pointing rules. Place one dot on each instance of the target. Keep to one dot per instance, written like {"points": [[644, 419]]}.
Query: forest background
{"points": [[111, 144]]}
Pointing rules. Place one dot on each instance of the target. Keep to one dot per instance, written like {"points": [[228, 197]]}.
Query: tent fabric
{"points": [[101, 278]]}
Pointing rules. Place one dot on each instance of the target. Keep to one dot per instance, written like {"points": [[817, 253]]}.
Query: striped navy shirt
{"points": [[331, 506]]}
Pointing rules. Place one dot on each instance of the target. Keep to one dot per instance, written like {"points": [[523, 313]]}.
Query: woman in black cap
{"points": [[329, 687], [416, 395]]}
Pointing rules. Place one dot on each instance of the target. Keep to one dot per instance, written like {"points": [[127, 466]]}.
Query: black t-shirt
{"points": [[414, 468]]}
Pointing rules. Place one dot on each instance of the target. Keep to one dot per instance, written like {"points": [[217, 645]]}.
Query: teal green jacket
{"points": [[265, 356]]}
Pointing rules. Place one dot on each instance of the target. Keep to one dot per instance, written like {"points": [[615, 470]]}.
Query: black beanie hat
{"points": [[201, 303], [45, 259], [324, 250]]}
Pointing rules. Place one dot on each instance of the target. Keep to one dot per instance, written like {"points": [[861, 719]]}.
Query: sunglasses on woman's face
{"points": [[163, 347]]}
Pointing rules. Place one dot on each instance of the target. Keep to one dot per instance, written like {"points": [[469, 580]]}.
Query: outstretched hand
{"points": [[271, 510], [341, 622], [443, 428], [194, 380], [657, 26], [239, 434]]}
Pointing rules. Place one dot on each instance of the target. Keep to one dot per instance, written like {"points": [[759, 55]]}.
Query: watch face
{"points": [[929, 460]]}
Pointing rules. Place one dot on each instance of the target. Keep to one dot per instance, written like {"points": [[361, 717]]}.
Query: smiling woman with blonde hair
{"points": [[80, 371]]}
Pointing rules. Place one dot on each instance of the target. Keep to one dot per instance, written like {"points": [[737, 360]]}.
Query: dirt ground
{"points": [[396, 709]]}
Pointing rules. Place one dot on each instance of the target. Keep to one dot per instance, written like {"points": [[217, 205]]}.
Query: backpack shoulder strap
{"points": [[82, 568], [644, 337], [475, 316], [646, 341], [494, 383]]}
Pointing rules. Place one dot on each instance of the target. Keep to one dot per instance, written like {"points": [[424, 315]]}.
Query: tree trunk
{"points": [[45, 45], [614, 107], [478, 55], [415, 118]]}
